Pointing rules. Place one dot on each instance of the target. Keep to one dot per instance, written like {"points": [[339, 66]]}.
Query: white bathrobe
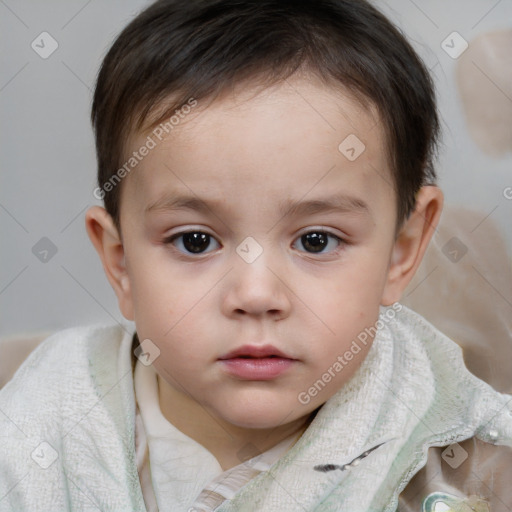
{"points": [[67, 422]]}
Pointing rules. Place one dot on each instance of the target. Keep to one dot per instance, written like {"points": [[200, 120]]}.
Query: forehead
{"points": [[280, 141]]}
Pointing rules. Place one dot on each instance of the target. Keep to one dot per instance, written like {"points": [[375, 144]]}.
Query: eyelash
{"points": [[171, 239]]}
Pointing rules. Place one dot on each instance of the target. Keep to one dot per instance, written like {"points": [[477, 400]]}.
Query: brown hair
{"points": [[201, 48]]}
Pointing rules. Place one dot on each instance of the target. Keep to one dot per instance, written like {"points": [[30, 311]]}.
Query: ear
{"points": [[412, 242], [107, 241]]}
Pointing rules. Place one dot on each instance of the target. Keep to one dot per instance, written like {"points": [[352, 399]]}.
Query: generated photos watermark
{"points": [[362, 339], [157, 135]]}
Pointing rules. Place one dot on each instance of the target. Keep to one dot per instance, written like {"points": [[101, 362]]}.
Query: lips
{"points": [[253, 351], [256, 363]]}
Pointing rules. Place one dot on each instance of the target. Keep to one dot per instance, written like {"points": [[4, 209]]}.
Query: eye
{"points": [[316, 241], [192, 242]]}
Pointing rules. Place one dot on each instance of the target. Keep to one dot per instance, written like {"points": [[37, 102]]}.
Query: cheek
{"points": [[349, 301], [159, 297], [171, 309], [359, 283]]}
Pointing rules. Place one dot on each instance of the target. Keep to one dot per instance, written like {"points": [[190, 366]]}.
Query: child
{"points": [[266, 169]]}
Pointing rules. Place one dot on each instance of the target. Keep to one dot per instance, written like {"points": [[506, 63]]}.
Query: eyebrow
{"points": [[335, 203]]}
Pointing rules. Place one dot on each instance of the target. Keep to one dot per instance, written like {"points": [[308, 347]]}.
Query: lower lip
{"points": [[264, 368]]}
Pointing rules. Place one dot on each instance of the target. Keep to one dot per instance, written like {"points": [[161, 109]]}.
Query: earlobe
{"points": [[412, 242], [109, 246]]}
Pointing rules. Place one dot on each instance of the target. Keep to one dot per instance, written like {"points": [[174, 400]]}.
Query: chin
{"points": [[256, 418]]}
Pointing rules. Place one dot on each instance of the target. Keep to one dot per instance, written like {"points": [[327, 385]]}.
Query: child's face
{"points": [[232, 173]]}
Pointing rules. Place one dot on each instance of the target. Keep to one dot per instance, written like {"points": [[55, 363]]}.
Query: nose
{"points": [[257, 290]]}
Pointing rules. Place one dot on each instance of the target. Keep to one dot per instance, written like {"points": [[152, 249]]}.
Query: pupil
{"points": [[196, 242], [314, 241]]}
